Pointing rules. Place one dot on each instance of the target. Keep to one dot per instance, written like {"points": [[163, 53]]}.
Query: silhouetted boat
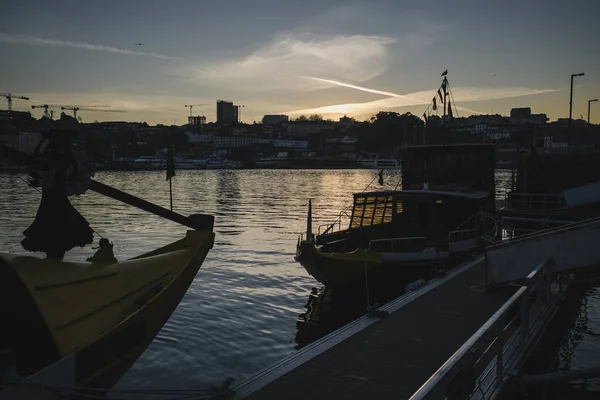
{"points": [[106, 314], [403, 235], [100, 316]]}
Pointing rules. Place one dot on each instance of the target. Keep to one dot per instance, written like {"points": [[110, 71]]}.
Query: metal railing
{"points": [[399, 245], [330, 227], [533, 201], [483, 365], [465, 234]]}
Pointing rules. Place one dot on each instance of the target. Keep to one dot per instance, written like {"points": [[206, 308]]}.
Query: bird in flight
{"points": [[139, 43]]}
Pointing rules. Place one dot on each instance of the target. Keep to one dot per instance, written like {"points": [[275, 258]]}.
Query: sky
{"points": [[328, 57]]}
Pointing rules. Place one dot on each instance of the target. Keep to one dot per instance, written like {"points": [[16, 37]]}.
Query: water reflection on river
{"points": [[242, 312]]}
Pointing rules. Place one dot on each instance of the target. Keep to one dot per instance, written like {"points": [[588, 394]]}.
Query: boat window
{"points": [[371, 210], [357, 212]]}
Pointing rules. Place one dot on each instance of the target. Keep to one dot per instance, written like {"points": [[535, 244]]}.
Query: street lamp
{"points": [[571, 98], [571, 109], [590, 102]]}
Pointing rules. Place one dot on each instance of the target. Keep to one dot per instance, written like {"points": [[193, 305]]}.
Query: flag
{"points": [[440, 94], [434, 104], [425, 118], [450, 110], [170, 164], [381, 178]]}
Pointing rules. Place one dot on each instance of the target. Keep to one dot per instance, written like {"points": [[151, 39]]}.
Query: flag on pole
{"points": [[440, 95], [434, 104], [381, 178], [425, 118], [170, 164]]}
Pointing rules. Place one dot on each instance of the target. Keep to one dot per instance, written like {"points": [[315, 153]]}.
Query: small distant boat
{"points": [[149, 163], [215, 162], [373, 161]]}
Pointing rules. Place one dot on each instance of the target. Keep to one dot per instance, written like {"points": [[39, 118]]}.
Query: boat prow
{"points": [[103, 315]]}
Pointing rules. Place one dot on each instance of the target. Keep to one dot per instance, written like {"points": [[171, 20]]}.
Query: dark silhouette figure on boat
{"points": [[57, 227], [104, 254]]}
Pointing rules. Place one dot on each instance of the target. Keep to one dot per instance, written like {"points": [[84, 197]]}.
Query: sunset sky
{"points": [[301, 57]]}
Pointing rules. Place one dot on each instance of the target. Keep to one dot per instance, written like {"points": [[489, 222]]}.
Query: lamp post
{"points": [[571, 107], [590, 102], [571, 98]]}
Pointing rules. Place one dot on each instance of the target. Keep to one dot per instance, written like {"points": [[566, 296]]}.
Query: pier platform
{"points": [[386, 357]]}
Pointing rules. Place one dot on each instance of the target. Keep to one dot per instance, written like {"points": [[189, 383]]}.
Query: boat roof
{"points": [[426, 192]]}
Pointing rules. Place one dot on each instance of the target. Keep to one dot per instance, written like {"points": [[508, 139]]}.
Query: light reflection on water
{"points": [[240, 314]]}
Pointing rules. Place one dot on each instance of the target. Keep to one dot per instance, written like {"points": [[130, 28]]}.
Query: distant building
{"points": [[195, 137], [275, 119], [520, 112], [305, 129], [234, 141], [523, 116], [290, 144], [346, 122], [493, 119], [227, 113], [197, 120]]}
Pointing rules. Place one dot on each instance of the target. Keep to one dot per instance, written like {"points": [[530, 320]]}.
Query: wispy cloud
{"points": [[283, 62], [460, 95], [32, 40]]}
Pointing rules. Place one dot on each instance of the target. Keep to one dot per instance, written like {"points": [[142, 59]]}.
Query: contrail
{"points": [[362, 88], [413, 100], [32, 40]]}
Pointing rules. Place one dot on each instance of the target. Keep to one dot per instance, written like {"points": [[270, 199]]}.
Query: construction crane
{"points": [[191, 106], [46, 107], [10, 96], [85, 108]]}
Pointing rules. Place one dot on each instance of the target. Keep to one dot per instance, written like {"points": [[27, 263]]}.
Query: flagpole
{"points": [[171, 193]]}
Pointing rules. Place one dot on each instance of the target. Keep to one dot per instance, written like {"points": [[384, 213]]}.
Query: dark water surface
{"points": [[241, 314]]}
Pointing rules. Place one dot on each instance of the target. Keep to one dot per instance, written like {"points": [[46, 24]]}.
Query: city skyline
{"points": [[333, 58]]}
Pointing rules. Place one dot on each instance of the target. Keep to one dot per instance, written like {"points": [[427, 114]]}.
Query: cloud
{"points": [[460, 95], [283, 62], [32, 40]]}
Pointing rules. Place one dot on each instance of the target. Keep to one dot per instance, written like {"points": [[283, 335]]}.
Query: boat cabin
{"points": [[430, 212]]}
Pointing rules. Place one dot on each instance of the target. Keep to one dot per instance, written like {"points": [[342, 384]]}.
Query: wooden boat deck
{"points": [[391, 357]]}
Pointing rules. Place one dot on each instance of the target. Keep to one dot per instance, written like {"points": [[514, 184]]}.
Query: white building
{"points": [[195, 137], [234, 141], [290, 144]]}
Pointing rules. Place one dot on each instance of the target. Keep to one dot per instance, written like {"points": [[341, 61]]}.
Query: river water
{"points": [[246, 309]]}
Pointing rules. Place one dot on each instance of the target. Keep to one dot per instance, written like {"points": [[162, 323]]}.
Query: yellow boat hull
{"points": [[356, 267], [104, 315]]}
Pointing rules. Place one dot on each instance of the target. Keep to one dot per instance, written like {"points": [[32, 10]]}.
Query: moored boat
{"points": [[104, 314], [402, 235], [97, 315]]}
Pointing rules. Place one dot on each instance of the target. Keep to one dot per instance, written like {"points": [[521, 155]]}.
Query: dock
{"points": [[451, 337], [386, 357]]}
